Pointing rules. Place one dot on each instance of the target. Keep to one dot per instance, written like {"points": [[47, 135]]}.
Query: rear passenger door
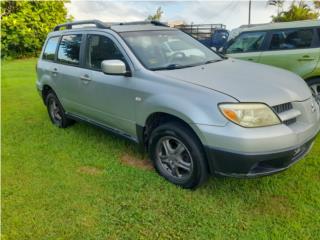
{"points": [[247, 46], [68, 72], [292, 49]]}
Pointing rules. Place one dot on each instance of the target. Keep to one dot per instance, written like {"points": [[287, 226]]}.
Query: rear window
{"points": [[50, 50], [69, 49], [291, 39]]}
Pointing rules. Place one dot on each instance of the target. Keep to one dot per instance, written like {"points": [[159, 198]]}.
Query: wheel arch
{"points": [[46, 89], [308, 79], [157, 118]]}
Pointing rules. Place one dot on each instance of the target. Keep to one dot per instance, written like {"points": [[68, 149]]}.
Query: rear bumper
{"points": [[246, 165], [39, 88]]}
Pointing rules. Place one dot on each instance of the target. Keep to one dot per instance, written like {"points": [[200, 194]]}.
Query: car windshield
{"points": [[158, 50]]}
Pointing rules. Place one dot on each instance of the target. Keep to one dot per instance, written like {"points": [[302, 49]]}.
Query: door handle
{"points": [[85, 78], [54, 71], [250, 59], [306, 58]]}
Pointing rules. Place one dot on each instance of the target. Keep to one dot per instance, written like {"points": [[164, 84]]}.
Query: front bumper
{"points": [[254, 165], [248, 152]]}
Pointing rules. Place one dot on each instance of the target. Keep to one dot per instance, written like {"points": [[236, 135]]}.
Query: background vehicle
{"points": [[236, 31], [195, 112], [211, 35], [294, 46]]}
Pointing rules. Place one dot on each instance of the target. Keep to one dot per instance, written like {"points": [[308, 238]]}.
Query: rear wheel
{"points": [[56, 112], [177, 155], [314, 84]]}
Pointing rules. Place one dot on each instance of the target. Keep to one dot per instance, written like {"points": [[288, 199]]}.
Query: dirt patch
{"points": [[90, 170], [133, 161], [274, 205]]}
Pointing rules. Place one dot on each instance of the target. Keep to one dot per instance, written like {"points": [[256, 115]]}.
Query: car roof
{"points": [[284, 25], [138, 27], [117, 27]]}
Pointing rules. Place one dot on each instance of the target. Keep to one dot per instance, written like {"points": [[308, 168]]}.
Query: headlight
{"points": [[249, 114]]}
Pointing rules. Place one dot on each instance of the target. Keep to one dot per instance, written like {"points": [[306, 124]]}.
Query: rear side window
{"points": [[50, 50], [101, 48], [291, 39], [69, 49], [247, 42]]}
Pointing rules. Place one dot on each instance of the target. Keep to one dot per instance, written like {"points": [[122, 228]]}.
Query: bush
{"points": [[25, 25]]}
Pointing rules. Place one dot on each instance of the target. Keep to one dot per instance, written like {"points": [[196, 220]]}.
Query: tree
{"points": [[316, 5], [157, 16], [25, 25], [278, 4], [296, 12]]}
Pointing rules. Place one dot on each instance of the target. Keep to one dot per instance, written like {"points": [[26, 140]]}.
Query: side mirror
{"points": [[114, 67], [221, 50], [214, 49]]}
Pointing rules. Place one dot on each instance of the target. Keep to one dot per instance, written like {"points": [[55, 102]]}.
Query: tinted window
{"points": [[69, 49], [247, 42], [291, 39], [319, 33], [101, 48], [50, 50]]}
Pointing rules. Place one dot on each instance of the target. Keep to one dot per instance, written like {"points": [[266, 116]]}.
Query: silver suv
{"points": [[195, 112]]}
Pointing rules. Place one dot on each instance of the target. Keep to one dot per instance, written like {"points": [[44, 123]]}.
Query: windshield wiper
{"points": [[174, 66], [169, 67], [213, 61]]}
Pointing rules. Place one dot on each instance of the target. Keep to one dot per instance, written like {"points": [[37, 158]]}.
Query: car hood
{"points": [[245, 81]]}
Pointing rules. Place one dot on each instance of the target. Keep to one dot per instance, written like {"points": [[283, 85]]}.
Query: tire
{"points": [[314, 84], [171, 161], [56, 112]]}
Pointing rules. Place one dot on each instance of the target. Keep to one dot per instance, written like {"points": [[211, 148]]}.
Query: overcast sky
{"points": [[231, 13]]}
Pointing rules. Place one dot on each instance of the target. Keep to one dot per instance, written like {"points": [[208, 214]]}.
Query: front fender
{"points": [[190, 110]]}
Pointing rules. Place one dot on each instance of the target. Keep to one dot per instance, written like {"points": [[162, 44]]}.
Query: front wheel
{"points": [[177, 155], [314, 84]]}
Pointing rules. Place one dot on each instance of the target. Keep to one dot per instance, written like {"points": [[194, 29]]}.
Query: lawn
{"points": [[84, 183]]}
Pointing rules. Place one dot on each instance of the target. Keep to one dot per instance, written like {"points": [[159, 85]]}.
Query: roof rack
{"points": [[153, 22], [69, 25]]}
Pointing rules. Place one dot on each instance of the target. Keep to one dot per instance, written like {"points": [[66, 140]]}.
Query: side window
{"points": [[101, 48], [319, 33], [247, 42], [291, 39], [50, 50], [69, 49]]}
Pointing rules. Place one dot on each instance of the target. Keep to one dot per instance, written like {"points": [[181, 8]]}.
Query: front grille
{"points": [[284, 108]]}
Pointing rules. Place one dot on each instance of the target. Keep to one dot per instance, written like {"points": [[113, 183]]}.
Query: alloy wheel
{"points": [[55, 111], [316, 90], [174, 157]]}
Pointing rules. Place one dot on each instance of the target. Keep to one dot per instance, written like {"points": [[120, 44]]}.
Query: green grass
{"points": [[47, 192]]}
